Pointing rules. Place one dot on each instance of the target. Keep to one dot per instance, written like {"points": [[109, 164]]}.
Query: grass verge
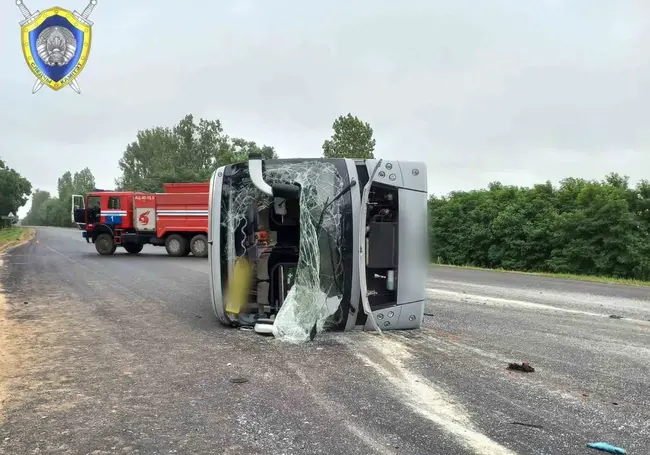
{"points": [[14, 235], [566, 276]]}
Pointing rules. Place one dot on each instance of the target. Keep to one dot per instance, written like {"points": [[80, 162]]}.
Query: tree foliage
{"points": [[55, 211], [14, 190], [187, 152], [352, 138], [579, 227]]}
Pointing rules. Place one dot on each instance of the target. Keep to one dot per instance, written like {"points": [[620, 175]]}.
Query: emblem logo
{"points": [[144, 217], [56, 45]]}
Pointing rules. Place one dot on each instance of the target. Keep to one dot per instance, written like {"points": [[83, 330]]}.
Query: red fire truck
{"points": [[176, 219]]}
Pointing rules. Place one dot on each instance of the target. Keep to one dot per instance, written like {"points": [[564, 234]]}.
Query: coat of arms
{"points": [[56, 44]]}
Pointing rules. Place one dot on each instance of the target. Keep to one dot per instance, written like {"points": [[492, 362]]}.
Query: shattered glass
{"points": [[315, 295]]}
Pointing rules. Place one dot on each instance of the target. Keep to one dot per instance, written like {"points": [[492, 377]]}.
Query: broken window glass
{"points": [[307, 242]]}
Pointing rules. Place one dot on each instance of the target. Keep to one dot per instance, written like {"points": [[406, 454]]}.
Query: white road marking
{"points": [[475, 299], [426, 398]]}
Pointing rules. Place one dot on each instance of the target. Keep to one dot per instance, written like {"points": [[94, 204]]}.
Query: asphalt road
{"points": [[123, 355]]}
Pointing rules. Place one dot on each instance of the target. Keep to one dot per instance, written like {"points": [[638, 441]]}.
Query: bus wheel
{"points": [[199, 246], [104, 244]]}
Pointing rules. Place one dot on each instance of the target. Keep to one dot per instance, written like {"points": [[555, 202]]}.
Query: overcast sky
{"points": [[482, 90]]}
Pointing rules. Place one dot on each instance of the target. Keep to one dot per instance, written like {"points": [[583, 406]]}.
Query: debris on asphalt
{"points": [[615, 316], [605, 447], [429, 314], [238, 380], [531, 425], [524, 366], [264, 328]]}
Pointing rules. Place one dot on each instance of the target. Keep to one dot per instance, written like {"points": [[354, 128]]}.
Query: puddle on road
{"points": [[387, 356]]}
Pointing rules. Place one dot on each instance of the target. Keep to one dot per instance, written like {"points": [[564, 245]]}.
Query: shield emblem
{"points": [[56, 45]]}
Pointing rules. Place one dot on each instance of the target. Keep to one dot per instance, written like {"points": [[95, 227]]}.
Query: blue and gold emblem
{"points": [[56, 44]]}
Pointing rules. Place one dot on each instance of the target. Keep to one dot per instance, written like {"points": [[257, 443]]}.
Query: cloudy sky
{"points": [[482, 90]]}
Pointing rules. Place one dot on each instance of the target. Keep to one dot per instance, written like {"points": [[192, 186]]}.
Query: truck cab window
{"points": [[94, 204], [113, 203]]}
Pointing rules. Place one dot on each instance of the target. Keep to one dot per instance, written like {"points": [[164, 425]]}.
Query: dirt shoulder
{"points": [[9, 238], [8, 361], [15, 236]]}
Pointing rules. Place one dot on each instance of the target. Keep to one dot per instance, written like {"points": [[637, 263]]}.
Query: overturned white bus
{"points": [[336, 244]]}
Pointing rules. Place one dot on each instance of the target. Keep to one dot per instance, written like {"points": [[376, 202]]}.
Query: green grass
{"points": [[13, 234], [567, 276]]}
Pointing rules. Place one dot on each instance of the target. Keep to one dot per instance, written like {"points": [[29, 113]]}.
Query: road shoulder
{"points": [[9, 332], [14, 237]]}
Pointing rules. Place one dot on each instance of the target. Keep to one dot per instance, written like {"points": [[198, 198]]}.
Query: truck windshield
{"points": [[93, 202]]}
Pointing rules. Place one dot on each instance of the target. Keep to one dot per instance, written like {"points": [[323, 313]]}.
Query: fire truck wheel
{"points": [[133, 248], [199, 246], [176, 245], [104, 244]]}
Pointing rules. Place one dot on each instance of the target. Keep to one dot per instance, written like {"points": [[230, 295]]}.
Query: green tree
{"points": [[187, 152], [64, 186], [14, 190], [33, 218], [580, 227], [83, 181], [51, 214], [352, 138], [55, 211]]}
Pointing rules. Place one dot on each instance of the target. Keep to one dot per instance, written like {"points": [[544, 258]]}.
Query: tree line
{"points": [[584, 227], [577, 227], [191, 151], [48, 210]]}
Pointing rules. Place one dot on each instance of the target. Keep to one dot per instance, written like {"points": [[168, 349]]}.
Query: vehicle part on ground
{"points": [[335, 244], [263, 328], [605, 447]]}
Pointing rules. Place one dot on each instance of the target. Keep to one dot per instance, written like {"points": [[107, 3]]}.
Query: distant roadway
{"points": [[122, 354]]}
